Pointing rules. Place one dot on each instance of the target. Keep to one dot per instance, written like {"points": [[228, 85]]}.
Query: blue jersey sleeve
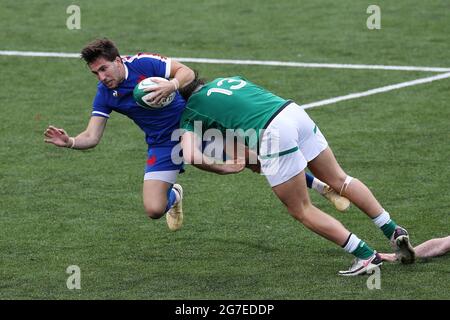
{"points": [[152, 65], [99, 106]]}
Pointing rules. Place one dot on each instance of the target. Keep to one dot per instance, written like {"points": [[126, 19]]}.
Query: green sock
{"points": [[389, 228], [363, 251]]}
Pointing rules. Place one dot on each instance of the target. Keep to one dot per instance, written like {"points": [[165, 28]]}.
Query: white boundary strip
{"points": [[246, 62], [375, 91], [288, 64], [39, 54], [313, 65]]}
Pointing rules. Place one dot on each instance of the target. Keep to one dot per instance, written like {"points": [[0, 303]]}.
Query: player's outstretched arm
{"points": [[433, 247], [85, 140], [192, 154]]}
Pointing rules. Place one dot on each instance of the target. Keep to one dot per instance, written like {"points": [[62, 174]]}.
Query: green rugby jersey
{"points": [[232, 103]]}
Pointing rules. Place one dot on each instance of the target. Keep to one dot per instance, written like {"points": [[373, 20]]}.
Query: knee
{"points": [[341, 182], [338, 181], [301, 213], [154, 211]]}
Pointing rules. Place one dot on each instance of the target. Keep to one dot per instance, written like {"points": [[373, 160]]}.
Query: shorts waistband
{"points": [[277, 113]]}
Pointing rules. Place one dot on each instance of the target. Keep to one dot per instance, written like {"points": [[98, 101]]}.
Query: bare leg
{"points": [[326, 168], [293, 193], [155, 197]]}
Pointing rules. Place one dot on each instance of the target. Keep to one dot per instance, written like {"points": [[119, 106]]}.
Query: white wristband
{"points": [[73, 142], [176, 83]]}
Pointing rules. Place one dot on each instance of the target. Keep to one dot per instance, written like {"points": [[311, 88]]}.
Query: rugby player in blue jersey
{"points": [[117, 78]]}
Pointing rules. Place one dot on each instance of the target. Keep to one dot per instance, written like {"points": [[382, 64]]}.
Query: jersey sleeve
{"points": [[99, 106], [153, 65]]}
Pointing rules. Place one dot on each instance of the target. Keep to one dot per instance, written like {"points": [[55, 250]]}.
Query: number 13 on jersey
{"points": [[227, 81]]}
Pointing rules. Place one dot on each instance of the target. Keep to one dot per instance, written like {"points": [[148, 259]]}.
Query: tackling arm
{"points": [[192, 154], [239, 151]]}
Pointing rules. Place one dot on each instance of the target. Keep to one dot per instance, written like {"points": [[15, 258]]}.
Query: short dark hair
{"points": [[100, 48]]}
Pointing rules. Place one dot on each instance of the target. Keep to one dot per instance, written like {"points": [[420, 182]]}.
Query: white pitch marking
{"points": [[313, 65], [39, 54], [247, 62], [288, 64], [375, 91]]}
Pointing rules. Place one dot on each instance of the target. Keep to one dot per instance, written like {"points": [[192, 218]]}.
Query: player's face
{"points": [[111, 73]]}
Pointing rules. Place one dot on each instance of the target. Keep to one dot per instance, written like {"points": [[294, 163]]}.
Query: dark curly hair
{"points": [[188, 89]]}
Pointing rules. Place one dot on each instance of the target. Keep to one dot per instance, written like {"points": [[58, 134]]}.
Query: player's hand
{"points": [[230, 168], [256, 168], [56, 136], [160, 92]]}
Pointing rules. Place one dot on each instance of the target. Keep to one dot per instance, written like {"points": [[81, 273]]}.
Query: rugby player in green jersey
{"points": [[286, 141]]}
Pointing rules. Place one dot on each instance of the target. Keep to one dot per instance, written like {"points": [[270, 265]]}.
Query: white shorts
{"points": [[288, 143], [169, 176]]}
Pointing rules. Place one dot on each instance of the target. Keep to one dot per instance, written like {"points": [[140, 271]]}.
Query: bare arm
{"points": [[433, 247], [192, 154], [89, 138], [183, 74], [430, 248], [237, 150]]}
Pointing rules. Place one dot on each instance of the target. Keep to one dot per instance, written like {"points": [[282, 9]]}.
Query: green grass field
{"points": [[60, 207]]}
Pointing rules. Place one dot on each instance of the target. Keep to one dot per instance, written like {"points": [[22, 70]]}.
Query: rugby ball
{"points": [[142, 97]]}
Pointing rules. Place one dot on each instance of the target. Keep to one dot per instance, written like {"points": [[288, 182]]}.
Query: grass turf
{"points": [[61, 208]]}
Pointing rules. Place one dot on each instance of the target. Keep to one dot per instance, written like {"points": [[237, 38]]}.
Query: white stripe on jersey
{"points": [[144, 55], [167, 60], [126, 71], [168, 66], [94, 113]]}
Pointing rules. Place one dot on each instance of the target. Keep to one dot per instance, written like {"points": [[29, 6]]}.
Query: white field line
{"points": [[247, 62], [288, 64], [313, 65], [377, 90], [39, 54]]}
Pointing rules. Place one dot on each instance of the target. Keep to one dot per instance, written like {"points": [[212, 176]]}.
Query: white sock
{"points": [[352, 243], [382, 219], [318, 185]]}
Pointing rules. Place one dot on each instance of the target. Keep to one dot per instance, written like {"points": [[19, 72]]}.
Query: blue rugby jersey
{"points": [[158, 124]]}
